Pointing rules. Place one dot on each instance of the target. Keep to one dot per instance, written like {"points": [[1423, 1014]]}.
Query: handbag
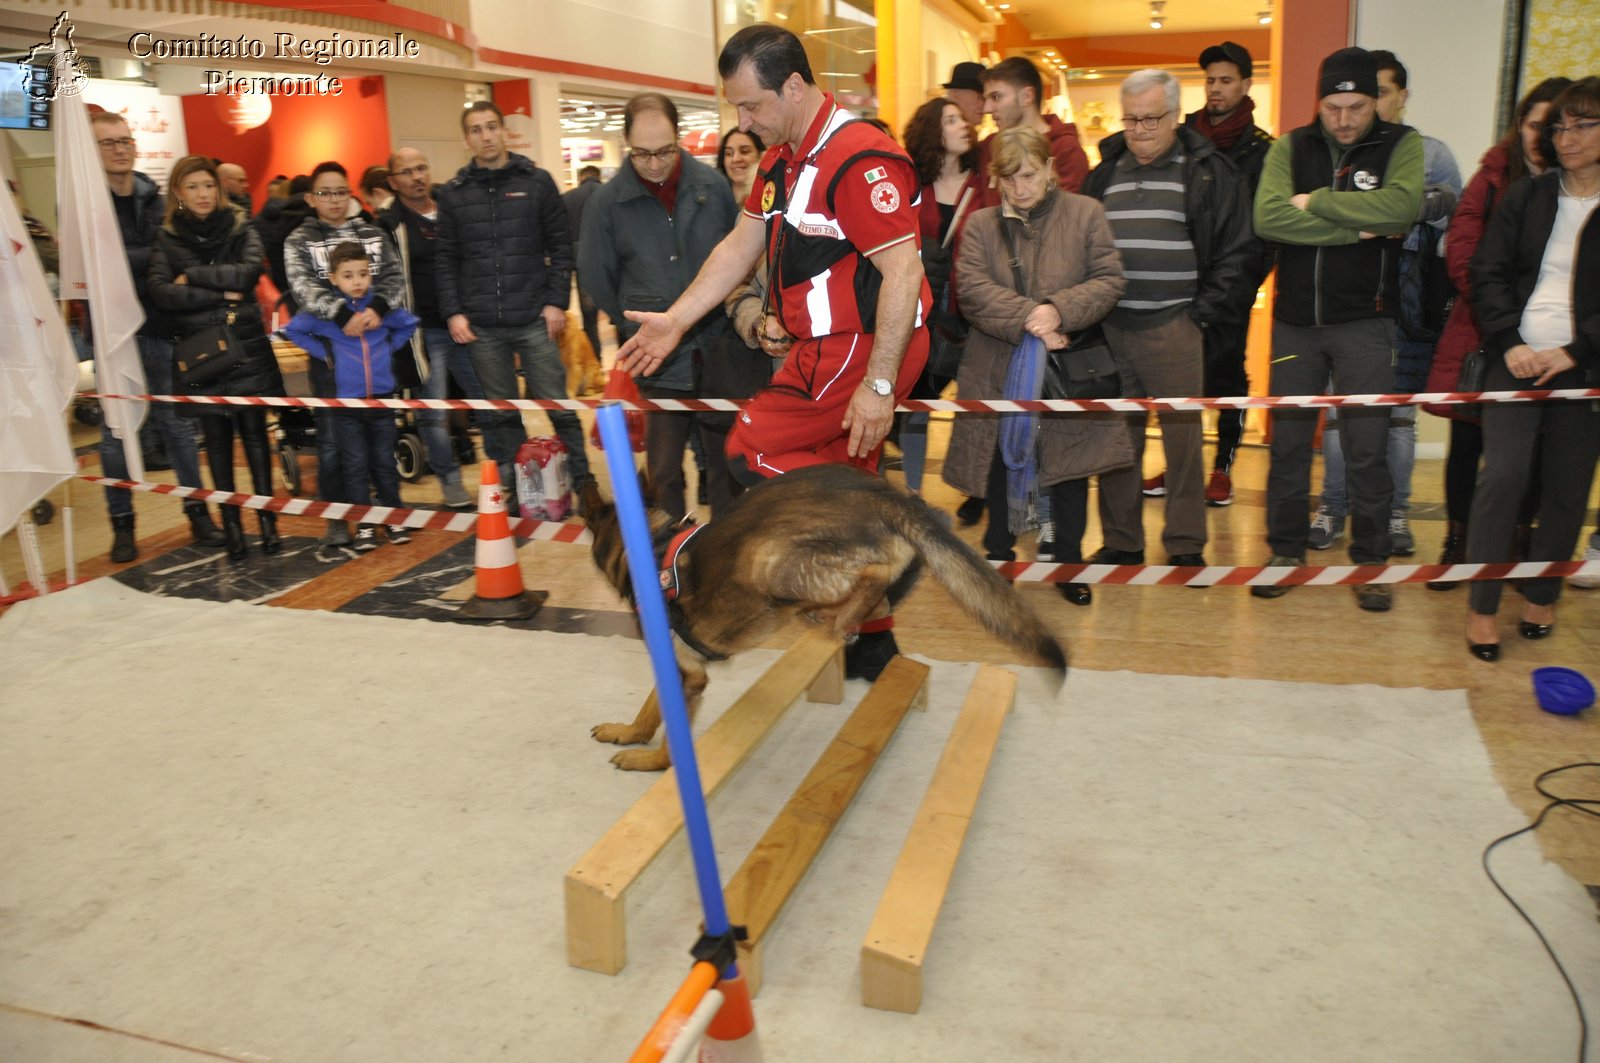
{"points": [[1473, 377], [206, 356], [1084, 369], [730, 370]]}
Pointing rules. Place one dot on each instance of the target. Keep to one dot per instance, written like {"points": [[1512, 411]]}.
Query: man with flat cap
{"points": [[965, 90], [1333, 196]]}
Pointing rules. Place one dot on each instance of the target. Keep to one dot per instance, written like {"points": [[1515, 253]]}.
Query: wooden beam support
{"points": [[768, 877], [897, 942], [595, 886]]}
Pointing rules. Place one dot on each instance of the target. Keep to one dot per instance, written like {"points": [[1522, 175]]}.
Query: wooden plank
{"points": [[768, 877], [829, 687], [897, 941], [595, 885]]}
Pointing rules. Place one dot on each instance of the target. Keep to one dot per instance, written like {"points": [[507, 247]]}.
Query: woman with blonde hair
{"points": [[1042, 264], [203, 272]]}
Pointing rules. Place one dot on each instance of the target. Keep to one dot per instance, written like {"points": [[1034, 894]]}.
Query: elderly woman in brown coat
{"points": [[1071, 277]]}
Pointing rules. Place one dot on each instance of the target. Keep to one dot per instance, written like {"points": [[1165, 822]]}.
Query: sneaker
{"points": [[1326, 529], [398, 533], [332, 553], [869, 655], [1401, 542], [1046, 550], [1219, 489], [366, 539], [1374, 597], [338, 533], [456, 496], [1280, 589], [1592, 580], [970, 512], [1155, 486]]}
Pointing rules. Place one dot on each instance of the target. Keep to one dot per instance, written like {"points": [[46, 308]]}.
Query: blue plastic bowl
{"points": [[1562, 690]]}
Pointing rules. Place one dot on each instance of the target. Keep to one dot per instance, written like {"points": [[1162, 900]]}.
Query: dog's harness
{"points": [[669, 588]]}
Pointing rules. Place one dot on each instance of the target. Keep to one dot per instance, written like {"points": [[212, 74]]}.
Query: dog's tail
{"points": [[978, 588]]}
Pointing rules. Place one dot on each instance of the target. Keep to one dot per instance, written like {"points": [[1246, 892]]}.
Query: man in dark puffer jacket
{"points": [[504, 271]]}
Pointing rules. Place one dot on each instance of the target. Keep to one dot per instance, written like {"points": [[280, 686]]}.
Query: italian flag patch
{"points": [[877, 174]]}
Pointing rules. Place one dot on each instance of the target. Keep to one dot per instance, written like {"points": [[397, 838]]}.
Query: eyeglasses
{"points": [[666, 154], [411, 171], [112, 143], [332, 193], [1144, 121], [1572, 127]]}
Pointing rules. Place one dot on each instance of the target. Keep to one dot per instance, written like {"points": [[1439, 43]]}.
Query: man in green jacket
{"points": [[1335, 196]]}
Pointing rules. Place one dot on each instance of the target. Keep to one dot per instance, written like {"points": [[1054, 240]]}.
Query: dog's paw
{"points": [[643, 759], [618, 734]]}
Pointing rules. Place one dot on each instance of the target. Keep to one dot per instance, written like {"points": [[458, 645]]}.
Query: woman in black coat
{"points": [[203, 273], [1536, 295]]}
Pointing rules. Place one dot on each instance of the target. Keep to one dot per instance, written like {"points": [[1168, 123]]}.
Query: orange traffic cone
{"points": [[500, 594], [732, 1036]]}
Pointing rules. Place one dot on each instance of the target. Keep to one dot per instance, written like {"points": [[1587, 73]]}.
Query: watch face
{"points": [[882, 387]]}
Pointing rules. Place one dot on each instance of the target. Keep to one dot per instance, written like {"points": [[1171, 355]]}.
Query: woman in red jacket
{"points": [[940, 142], [1516, 155]]}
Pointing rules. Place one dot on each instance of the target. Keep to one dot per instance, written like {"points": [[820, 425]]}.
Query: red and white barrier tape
{"points": [[1241, 402], [428, 519], [1016, 571]]}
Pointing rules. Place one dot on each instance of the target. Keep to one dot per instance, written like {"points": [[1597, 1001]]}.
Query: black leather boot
{"points": [[205, 533], [233, 533], [1454, 553], [123, 546], [269, 532]]}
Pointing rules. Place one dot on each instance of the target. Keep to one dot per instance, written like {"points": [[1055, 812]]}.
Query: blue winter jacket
{"points": [[363, 365]]}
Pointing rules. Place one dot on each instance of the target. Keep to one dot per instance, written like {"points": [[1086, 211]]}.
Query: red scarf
{"points": [[1226, 133]]}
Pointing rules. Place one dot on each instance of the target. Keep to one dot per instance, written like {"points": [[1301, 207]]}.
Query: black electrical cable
{"points": [[1584, 806]]}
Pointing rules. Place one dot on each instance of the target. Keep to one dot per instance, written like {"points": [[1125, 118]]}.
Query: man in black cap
{"points": [[1228, 121], [965, 89], [1332, 193]]}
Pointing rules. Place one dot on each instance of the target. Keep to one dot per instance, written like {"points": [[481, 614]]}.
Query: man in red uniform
{"points": [[835, 210]]}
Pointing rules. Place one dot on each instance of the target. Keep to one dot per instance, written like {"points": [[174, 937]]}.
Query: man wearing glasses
{"points": [[1181, 220], [306, 264], [1331, 193], [139, 212], [504, 268], [646, 233]]}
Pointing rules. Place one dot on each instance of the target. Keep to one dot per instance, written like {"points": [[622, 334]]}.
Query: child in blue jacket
{"points": [[362, 368]]}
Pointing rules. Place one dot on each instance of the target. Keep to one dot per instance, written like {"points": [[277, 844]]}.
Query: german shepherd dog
{"points": [[826, 545]]}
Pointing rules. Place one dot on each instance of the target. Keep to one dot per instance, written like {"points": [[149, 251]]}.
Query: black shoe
{"points": [[1187, 560], [205, 533], [1484, 651], [1534, 632], [270, 543], [233, 533], [1076, 593], [869, 655], [124, 548], [1107, 555], [970, 512]]}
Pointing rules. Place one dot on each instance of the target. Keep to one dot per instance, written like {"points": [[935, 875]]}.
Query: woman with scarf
{"points": [[1032, 273], [203, 272]]}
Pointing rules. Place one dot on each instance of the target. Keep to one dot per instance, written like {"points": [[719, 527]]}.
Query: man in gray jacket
{"points": [[646, 233]]}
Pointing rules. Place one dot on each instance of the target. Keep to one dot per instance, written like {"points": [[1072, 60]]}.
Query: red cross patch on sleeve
{"points": [[885, 196]]}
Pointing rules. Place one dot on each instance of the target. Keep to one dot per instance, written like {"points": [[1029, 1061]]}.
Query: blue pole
{"points": [[635, 526]]}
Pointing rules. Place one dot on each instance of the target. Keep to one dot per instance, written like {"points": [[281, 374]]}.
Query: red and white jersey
{"points": [[847, 194]]}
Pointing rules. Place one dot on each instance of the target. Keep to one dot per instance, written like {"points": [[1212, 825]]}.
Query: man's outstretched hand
{"points": [[658, 337]]}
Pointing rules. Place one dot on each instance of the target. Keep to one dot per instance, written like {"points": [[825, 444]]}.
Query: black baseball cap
{"points": [[966, 76], [1228, 52]]}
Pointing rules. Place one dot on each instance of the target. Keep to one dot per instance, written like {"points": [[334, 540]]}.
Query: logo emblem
{"points": [[885, 197], [1365, 180], [54, 68], [1345, 86], [769, 195]]}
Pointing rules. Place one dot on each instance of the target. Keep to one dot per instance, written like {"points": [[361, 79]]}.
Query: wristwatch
{"points": [[881, 386]]}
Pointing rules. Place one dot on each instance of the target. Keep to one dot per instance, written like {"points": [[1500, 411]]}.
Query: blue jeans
{"points": [[446, 359], [493, 356], [1401, 454], [365, 439], [177, 432]]}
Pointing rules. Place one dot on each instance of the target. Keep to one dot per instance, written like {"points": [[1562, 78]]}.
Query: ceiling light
{"points": [[1155, 23], [1264, 18]]}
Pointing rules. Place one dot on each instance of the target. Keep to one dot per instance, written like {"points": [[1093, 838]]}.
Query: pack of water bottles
{"points": [[544, 486]]}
